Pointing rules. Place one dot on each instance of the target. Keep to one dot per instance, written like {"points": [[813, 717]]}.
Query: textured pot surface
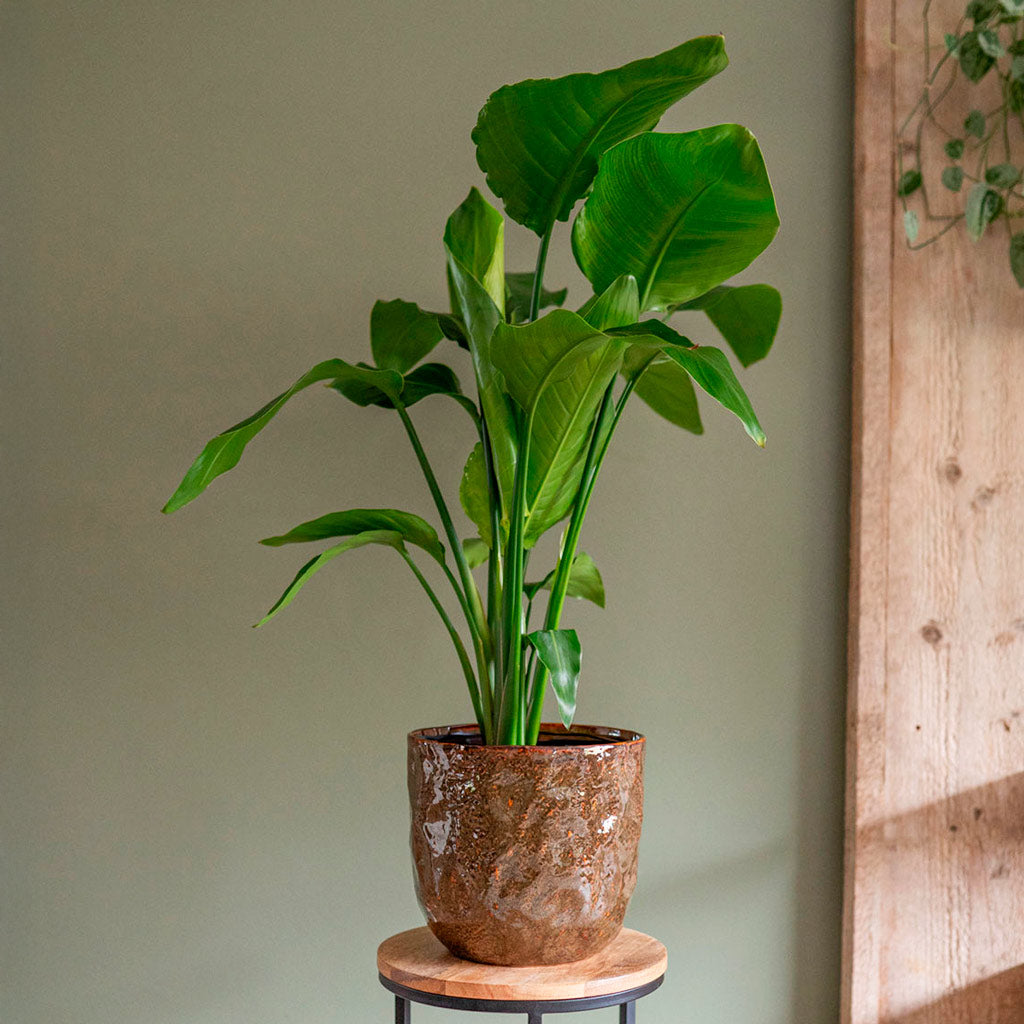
{"points": [[525, 855]]}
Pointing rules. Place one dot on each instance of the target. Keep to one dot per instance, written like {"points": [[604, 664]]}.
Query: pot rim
{"points": [[613, 737]]}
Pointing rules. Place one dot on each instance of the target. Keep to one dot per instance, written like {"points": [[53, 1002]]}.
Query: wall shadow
{"points": [[995, 1000], [955, 868]]}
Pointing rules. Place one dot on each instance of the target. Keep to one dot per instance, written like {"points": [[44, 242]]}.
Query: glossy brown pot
{"points": [[525, 855]]}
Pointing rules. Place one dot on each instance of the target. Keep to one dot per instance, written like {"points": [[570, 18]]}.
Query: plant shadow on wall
{"points": [[525, 848], [978, 836], [972, 103]]}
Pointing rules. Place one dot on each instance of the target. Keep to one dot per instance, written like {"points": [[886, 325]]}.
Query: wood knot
{"points": [[982, 497], [951, 470], [931, 633], [1002, 639]]}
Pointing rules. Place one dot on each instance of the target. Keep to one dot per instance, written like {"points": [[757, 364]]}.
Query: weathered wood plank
{"points": [[933, 929]]}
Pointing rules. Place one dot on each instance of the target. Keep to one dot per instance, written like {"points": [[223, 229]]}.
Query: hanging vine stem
{"points": [[985, 44]]}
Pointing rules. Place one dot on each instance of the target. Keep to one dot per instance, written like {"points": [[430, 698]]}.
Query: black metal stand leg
{"points": [[403, 1011], [627, 1013], [534, 1017]]}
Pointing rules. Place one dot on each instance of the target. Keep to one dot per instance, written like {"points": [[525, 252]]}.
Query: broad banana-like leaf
{"points": [[223, 451], [428, 379], [584, 581], [475, 493], [538, 141], [617, 306], [519, 293], [390, 538], [401, 334], [473, 241], [681, 213], [666, 387], [362, 520], [747, 316], [707, 367], [557, 369], [558, 650]]}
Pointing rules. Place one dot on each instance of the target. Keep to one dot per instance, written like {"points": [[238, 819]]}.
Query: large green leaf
{"points": [[617, 306], [747, 317], [223, 451], [584, 581], [666, 387], [475, 493], [401, 334], [538, 141], [361, 520], [390, 538], [681, 213], [707, 367], [473, 227], [556, 368], [558, 650], [519, 292]]}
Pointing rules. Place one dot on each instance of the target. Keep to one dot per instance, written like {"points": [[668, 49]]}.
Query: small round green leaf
{"points": [[910, 226], [910, 182], [953, 178], [974, 124], [954, 149], [1002, 175]]}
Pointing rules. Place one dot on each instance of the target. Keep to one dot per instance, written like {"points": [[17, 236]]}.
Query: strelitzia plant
{"points": [[667, 219]]}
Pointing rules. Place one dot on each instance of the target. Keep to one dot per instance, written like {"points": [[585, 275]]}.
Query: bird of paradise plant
{"points": [[667, 219]]}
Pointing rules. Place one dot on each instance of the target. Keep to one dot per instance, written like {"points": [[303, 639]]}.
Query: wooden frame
{"points": [[934, 912]]}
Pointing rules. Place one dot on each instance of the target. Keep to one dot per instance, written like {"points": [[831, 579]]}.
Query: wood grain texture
{"points": [[934, 914], [417, 960]]}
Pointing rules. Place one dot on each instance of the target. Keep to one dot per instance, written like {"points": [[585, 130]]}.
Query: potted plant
{"points": [[524, 834]]}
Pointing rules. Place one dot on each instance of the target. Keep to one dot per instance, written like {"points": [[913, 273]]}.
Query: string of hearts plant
{"points": [[983, 146], [667, 219]]}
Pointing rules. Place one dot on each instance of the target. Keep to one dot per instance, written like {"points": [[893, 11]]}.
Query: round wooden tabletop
{"points": [[418, 961]]}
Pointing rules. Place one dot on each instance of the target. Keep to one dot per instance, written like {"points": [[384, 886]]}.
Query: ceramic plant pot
{"points": [[525, 855]]}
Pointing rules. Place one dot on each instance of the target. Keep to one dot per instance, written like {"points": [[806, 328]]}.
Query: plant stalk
{"points": [[460, 650]]}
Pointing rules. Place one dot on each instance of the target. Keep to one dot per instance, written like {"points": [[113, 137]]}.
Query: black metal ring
{"points": [[520, 1005]]}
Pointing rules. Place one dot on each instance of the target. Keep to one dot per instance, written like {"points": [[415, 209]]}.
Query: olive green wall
{"points": [[203, 824]]}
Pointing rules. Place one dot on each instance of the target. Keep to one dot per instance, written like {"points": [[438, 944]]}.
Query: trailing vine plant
{"points": [[983, 146]]}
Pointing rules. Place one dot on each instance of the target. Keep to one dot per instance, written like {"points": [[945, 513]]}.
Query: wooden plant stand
{"points": [[418, 969]]}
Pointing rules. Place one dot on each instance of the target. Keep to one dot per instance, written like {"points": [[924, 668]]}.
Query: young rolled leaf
{"points": [[557, 368], [402, 334], [538, 141], [519, 291], [682, 213], [391, 538], [617, 306], [584, 581], [558, 650], [408, 526], [471, 229], [223, 451], [475, 236], [746, 316]]}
